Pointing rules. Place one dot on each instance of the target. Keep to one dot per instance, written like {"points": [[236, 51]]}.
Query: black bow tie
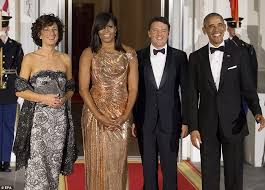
{"points": [[221, 48], [159, 50]]}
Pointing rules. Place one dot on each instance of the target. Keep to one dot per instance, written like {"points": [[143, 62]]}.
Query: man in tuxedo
{"points": [[219, 76], [159, 112]]}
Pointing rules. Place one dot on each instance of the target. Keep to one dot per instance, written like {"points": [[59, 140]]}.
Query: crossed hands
{"points": [[53, 100], [112, 124]]}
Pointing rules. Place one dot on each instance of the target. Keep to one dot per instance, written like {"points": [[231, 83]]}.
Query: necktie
{"points": [[221, 48], [159, 50]]}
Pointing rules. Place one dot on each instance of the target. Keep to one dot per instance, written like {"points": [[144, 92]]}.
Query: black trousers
{"points": [[152, 143], [233, 163]]}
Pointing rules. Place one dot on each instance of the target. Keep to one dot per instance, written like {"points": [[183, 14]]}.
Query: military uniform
{"points": [[234, 40], [12, 58]]}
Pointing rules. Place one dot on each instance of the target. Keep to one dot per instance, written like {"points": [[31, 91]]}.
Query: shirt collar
{"points": [[6, 39]]}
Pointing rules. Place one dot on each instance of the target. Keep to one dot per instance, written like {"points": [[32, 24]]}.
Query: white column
{"points": [[28, 14], [175, 36], [12, 22], [261, 37]]}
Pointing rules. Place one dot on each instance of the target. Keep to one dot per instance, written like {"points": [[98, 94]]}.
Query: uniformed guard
{"points": [[233, 38], [10, 63]]}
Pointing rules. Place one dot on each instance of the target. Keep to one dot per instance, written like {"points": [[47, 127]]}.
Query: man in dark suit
{"points": [[219, 77], [11, 60], [160, 113], [237, 42]]}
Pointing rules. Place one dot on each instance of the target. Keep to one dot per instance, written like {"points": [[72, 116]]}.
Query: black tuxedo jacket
{"points": [[211, 110], [251, 53], [164, 101]]}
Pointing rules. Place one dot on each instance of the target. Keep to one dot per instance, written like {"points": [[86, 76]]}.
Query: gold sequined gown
{"points": [[106, 151]]}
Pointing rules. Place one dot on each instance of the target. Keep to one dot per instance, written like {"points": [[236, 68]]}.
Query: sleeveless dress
{"points": [[105, 151], [48, 133]]}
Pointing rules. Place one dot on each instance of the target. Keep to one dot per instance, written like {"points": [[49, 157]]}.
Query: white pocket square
{"points": [[233, 67]]}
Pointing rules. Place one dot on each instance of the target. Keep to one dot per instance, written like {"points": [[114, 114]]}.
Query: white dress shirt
{"points": [[158, 63], [3, 36], [216, 60]]}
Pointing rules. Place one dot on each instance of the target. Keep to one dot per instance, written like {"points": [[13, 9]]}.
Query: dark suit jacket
{"points": [[209, 108], [12, 58], [251, 53], [164, 100]]}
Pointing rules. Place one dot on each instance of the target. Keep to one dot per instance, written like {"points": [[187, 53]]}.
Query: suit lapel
{"points": [[204, 55], [166, 68], [226, 60], [148, 67]]}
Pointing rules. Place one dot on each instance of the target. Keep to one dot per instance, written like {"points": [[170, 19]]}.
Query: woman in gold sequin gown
{"points": [[108, 80]]}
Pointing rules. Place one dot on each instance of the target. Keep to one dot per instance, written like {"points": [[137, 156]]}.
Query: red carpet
{"points": [[188, 177]]}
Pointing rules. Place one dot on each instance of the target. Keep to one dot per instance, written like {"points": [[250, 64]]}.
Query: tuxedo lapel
{"points": [[166, 68], [226, 60], [204, 55], [148, 67]]}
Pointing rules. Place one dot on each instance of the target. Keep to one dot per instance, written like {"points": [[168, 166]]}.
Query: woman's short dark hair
{"points": [[42, 22], [100, 22], [159, 19]]}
